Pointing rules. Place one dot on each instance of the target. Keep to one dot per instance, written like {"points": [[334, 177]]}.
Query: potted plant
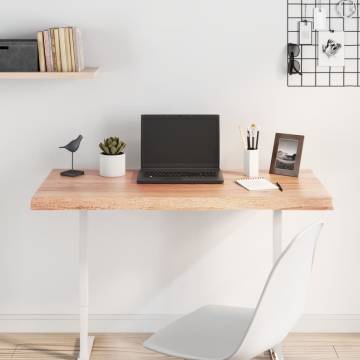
{"points": [[112, 158]]}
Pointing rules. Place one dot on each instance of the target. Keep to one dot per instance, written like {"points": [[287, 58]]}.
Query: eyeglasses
{"points": [[293, 65]]}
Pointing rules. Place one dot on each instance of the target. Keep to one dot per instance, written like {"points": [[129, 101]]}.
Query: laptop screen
{"points": [[180, 141]]}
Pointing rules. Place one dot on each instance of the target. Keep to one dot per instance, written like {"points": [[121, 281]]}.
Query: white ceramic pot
{"points": [[112, 165]]}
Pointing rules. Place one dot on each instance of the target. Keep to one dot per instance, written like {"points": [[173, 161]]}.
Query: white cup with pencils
{"points": [[251, 150]]}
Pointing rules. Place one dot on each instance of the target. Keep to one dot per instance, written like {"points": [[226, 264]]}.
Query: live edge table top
{"points": [[93, 192]]}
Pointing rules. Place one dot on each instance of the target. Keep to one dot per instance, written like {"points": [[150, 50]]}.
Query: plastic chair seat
{"points": [[210, 333], [219, 332]]}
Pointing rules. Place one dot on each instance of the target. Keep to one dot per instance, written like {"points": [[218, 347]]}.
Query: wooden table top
{"points": [[93, 192]]}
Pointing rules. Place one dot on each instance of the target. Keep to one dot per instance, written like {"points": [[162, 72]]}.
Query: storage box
{"points": [[19, 55]]}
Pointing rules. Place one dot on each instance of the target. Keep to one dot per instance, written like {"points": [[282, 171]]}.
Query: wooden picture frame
{"points": [[286, 156]]}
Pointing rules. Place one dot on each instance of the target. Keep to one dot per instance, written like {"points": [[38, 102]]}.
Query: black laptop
{"points": [[180, 149]]}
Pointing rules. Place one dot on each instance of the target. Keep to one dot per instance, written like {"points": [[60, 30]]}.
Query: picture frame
{"points": [[286, 155]]}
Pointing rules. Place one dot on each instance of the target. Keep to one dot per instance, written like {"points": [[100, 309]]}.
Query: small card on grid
{"points": [[256, 184], [319, 19], [305, 32]]}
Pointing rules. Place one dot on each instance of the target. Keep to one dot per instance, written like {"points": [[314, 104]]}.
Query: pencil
{"points": [[242, 138]]}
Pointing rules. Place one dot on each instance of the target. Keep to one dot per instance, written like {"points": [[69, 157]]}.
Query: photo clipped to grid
{"points": [[323, 43]]}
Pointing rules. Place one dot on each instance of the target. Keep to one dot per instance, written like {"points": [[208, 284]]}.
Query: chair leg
{"points": [[276, 352]]}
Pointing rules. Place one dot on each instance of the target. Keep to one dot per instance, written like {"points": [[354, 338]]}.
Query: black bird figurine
{"points": [[72, 146]]}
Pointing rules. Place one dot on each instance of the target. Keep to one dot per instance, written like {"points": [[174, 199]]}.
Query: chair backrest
{"points": [[283, 299]]}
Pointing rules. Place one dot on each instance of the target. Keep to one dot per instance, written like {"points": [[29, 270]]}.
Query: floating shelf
{"points": [[87, 73]]}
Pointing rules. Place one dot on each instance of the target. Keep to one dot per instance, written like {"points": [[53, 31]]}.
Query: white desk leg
{"points": [[277, 234], [276, 352], [86, 341]]}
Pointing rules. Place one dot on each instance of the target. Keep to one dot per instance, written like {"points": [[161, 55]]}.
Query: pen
{"points": [[253, 131], [248, 140], [257, 139], [280, 187], [252, 138]]}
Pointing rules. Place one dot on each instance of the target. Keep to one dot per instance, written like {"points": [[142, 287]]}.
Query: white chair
{"points": [[219, 332]]}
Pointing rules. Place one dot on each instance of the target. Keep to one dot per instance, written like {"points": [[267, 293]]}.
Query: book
{"points": [[53, 49], [78, 50], [257, 184], [57, 49], [67, 47], [72, 54], [40, 41], [47, 51], [60, 50], [62, 40]]}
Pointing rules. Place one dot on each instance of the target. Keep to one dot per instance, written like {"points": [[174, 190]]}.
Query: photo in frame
{"points": [[286, 156]]}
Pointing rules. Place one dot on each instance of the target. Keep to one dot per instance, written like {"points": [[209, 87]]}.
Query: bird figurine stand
{"points": [[72, 146]]}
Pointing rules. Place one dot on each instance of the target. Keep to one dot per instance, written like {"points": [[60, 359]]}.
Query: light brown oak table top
{"points": [[93, 192]]}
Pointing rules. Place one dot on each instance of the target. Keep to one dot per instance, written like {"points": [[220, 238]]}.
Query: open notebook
{"points": [[256, 183]]}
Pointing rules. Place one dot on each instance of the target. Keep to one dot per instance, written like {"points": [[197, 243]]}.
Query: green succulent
{"points": [[112, 146]]}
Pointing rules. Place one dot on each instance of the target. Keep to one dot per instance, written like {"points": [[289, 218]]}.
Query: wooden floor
{"points": [[129, 347]]}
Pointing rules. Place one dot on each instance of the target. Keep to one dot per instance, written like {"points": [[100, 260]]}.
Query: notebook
{"points": [[256, 183]]}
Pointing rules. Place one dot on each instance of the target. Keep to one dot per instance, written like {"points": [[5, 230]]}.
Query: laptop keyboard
{"points": [[180, 174]]}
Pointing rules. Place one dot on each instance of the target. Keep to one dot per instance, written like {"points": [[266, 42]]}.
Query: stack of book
{"points": [[60, 50]]}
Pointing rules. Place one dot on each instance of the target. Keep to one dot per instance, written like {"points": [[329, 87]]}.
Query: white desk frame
{"points": [[86, 341]]}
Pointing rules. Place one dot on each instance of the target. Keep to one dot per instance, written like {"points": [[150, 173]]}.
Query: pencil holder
{"points": [[251, 163]]}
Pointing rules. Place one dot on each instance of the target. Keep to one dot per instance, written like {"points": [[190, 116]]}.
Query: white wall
{"points": [[161, 56]]}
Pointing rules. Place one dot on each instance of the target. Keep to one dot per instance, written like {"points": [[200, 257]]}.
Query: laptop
{"points": [[180, 149]]}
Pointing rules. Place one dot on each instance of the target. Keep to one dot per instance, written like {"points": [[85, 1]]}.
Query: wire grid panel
{"points": [[312, 74]]}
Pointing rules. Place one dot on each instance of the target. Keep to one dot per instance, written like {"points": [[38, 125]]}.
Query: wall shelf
{"points": [[87, 73]]}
